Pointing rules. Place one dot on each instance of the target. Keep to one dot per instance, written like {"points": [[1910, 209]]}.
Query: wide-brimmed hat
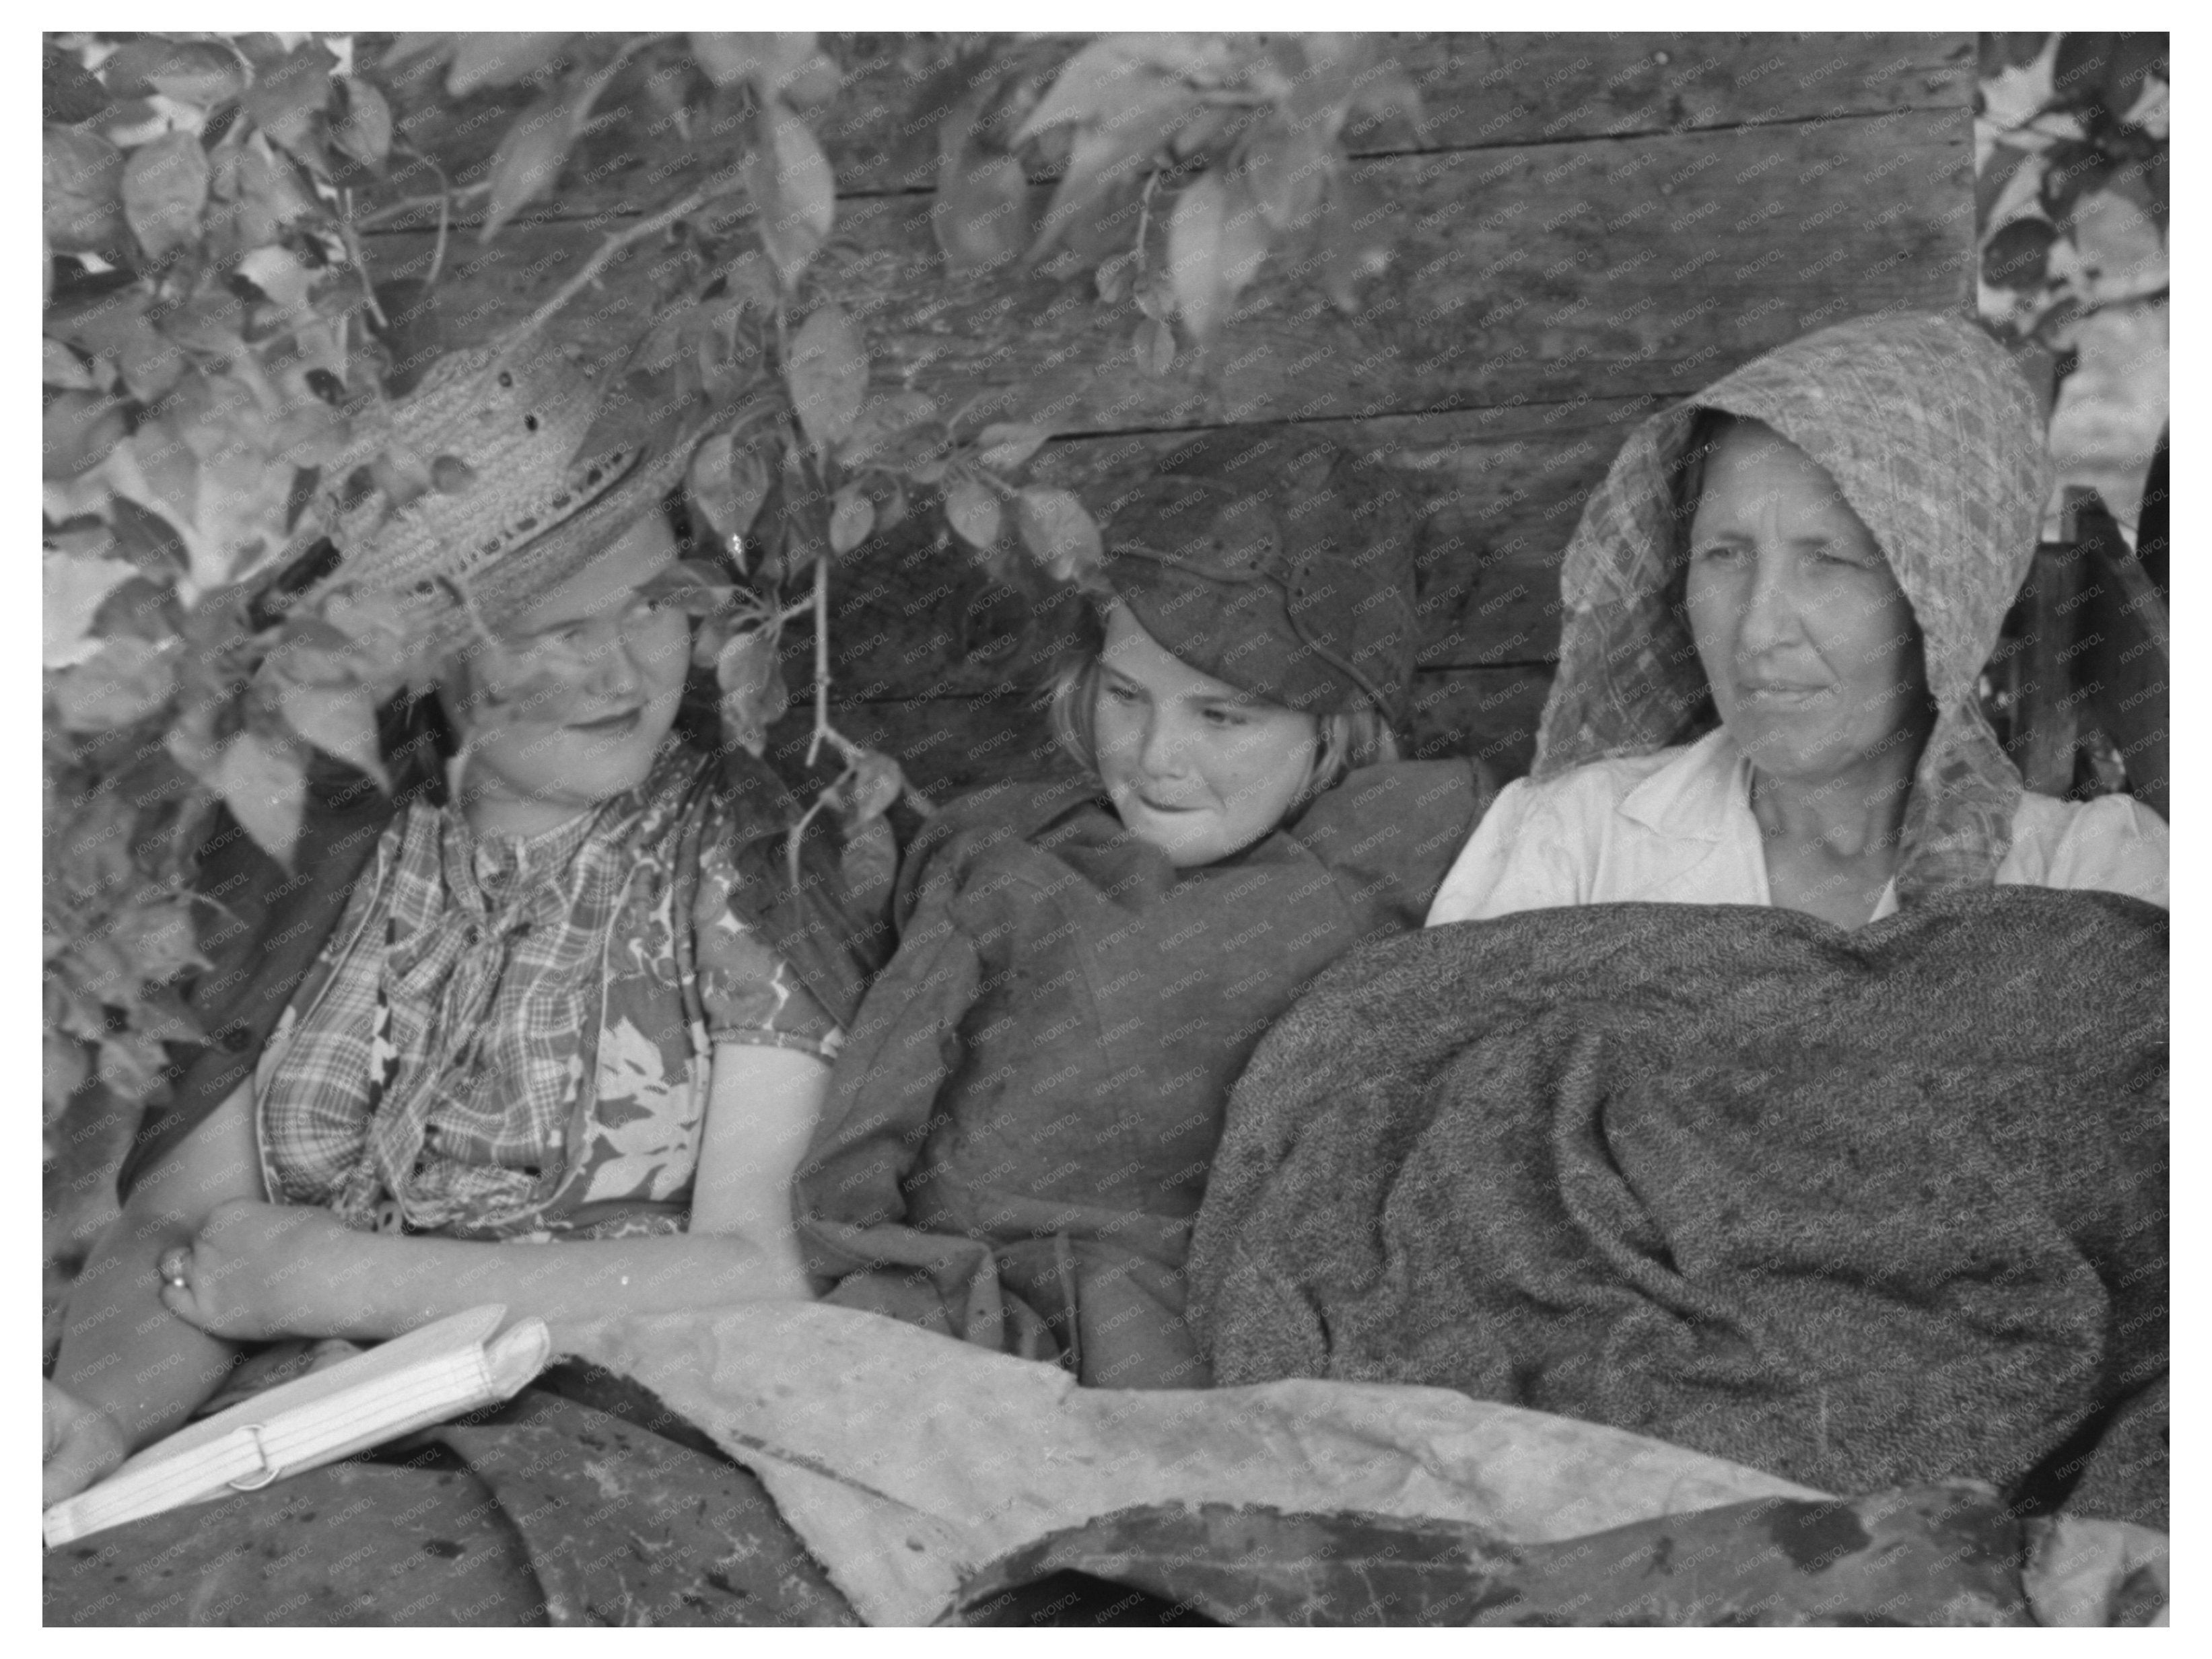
{"points": [[1276, 562], [513, 504]]}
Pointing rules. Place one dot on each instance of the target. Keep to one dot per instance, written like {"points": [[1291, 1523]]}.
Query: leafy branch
{"points": [[218, 367]]}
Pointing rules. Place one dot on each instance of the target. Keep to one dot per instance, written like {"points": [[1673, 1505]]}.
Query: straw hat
{"points": [[508, 504]]}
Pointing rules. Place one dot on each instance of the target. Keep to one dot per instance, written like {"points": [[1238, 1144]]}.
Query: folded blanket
{"points": [[1862, 1209]]}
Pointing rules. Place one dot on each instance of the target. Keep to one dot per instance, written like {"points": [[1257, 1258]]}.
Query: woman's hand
{"points": [[83, 1444], [255, 1271]]}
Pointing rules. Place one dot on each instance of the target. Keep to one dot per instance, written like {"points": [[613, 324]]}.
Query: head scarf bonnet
{"points": [[1936, 441]]}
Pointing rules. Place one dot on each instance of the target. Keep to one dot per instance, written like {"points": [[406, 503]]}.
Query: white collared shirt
{"points": [[1676, 827]]}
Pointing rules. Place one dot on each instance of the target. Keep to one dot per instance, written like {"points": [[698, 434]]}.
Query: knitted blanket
{"points": [[1860, 1209]]}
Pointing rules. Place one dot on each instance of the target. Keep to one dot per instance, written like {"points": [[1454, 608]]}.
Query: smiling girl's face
{"points": [[571, 708], [1194, 766]]}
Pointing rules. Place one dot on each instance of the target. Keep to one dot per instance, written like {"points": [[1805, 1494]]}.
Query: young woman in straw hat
{"points": [[1021, 1124], [576, 1000]]}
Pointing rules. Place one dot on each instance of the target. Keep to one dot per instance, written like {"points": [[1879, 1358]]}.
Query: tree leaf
{"points": [[1196, 256], [285, 98], [165, 187], [706, 485], [528, 160], [2071, 172], [278, 273], [406, 48], [793, 190], [265, 787], [868, 861], [63, 368], [78, 431], [2136, 57], [770, 61], [2016, 256], [486, 59], [972, 511], [70, 591], [1004, 445], [1115, 278], [1155, 346], [873, 782], [1380, 96], [196, 72], [67, 91], [1358, 236], [130, 679], [383, 643], [270, 195], [1286, 173], [1244, 239], [883, 423], [828, 374], [754, 696], [851, 518], [980, 214], [2077, 73], [365, 134], [169, 468], [82, 206], [1993, 176], [338, 719], [1058, 533], [1099, 81], [1111, 154]]}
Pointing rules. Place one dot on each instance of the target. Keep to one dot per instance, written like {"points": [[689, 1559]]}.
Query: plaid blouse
{"points": [[505, 1035]]}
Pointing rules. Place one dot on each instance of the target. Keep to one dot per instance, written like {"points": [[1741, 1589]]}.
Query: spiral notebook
{"points": [[448, 1367]]}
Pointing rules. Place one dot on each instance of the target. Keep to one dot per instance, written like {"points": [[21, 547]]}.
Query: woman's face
{"points": [[571, 707], [1807, 641], [1194, 766]]}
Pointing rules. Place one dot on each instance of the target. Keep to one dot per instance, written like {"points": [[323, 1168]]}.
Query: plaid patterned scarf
{"points": [[1936, 441]]}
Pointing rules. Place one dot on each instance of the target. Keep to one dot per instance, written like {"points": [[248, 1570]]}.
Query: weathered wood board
{"points": [[1477, 91], [1591, 226], [1600, 268]]}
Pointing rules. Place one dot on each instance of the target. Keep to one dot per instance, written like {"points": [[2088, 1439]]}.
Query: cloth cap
{"points": [[514, 506], [1277, 563]]}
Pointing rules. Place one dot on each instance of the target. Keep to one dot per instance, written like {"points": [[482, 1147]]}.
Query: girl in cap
{"points": [[1021, 1123], [579, 1001], [1778, 605]]}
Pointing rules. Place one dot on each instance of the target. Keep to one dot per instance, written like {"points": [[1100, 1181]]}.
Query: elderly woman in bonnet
{"points": [[1020, 1127], [575, 1000], [1666, 1136], [1777, 606]]}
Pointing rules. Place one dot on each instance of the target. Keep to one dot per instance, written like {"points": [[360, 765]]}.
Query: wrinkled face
{"points": [[1194, 766], [1807, 641], [569, 710]]}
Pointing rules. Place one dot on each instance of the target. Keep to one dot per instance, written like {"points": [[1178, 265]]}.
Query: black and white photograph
{"points": [[1149, 828]]}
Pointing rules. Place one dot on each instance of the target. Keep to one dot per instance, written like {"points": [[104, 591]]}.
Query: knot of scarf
{"points": [[466, 1115]]}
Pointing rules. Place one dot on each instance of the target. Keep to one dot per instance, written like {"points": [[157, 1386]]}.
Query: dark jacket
{"points": [[1021, 1124]]}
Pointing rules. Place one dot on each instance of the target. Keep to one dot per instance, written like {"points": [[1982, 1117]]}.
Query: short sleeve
{"points": [[1518, 858], [2112, 844], [750, 993]]}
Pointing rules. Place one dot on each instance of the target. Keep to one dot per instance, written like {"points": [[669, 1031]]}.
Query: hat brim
{"points": [[502, 592]]}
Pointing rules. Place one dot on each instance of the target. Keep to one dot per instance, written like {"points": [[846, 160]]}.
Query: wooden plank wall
{"points": [[1593, 225]]}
